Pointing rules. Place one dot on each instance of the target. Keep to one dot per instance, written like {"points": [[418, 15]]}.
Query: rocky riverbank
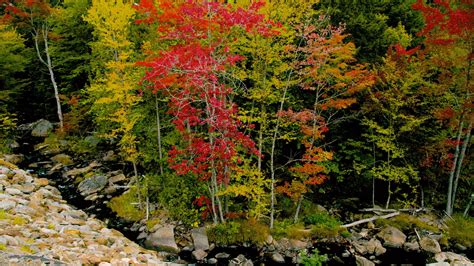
{"points": [[39, 227]]}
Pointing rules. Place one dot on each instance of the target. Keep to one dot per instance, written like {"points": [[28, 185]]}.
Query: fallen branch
{"points": [[371, 219], [392, 210]]}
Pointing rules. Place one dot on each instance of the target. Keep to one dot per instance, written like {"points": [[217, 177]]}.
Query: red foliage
{"points": [[190, 72]]}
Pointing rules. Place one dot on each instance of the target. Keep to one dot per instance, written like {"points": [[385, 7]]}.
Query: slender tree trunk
{"points": [[158, 134], [49, 65], [389, 194], [260, 137], [449, 205], [468, 207], [298, 208], [137, 182], [467, 139], [272, 160], [422, 196]]}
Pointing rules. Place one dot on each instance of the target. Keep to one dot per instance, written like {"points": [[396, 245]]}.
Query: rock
{"points": [[361, 261], [117, 178], [375, 247], [460, 247], [269, 240], [110, 190], [392, 237], [41, 182], [240, 260], [163, 239], [7, 205], [430, 245], [212, 261], [92, 197], [109, 156], [199, 254], [41, 128], [27, 188], [13, 191], [14, 158], [92, 185], [453, 258], [222, 255], [62, 158], [298, 244], [200, 239], [438, 264], [278, 258], [411, 246]]}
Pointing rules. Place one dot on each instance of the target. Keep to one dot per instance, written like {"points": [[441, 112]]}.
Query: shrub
{"points": [[237, 232], [286, 228], [122, 205], [461, 230], [312, 259], [406, 223], [324, 225]]}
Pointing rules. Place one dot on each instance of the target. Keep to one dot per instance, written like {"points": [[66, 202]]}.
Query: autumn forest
{"points": [[255, 112]]}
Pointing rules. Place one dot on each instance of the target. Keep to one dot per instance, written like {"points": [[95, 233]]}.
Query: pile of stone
{"points": [[36, 224]]}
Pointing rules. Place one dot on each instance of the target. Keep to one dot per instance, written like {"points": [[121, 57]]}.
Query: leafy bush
{"points": [[7, 126], [235, 232], [461, 230], [122, 205], [324, 225], [286, 228], [312, 259]]}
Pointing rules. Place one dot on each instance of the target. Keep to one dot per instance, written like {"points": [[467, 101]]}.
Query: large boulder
{"points": [[92, 185], [200, 239], [453, 258], [392, 237], [163, 239], [430, 245], [41, 128]]}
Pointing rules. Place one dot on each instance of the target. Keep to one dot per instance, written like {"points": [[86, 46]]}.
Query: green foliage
{"points": [[286, 228], [2, 246], [176, 194], [124, 206], [374, 25], [238, 232], [461, 230], [324, 225], [17, 220], [314, 259], [406, 223], [7, 126]]}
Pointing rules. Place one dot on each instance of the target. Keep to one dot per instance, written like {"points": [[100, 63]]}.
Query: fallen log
{"points": [[392, 210], [371, 219]]}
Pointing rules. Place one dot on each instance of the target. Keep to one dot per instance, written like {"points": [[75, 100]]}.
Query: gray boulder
{"points": [[200, 239], [92, 185], [430, 245], [392, 237], [163, 240], [41, 128]]}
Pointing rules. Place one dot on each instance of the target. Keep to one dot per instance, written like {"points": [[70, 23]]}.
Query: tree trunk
{"points": [[459, 164], [298, 207], [449, 205], [158, 134], [137, 182], [389, 195], [272, 161], [468, 207], [49, 65]]}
